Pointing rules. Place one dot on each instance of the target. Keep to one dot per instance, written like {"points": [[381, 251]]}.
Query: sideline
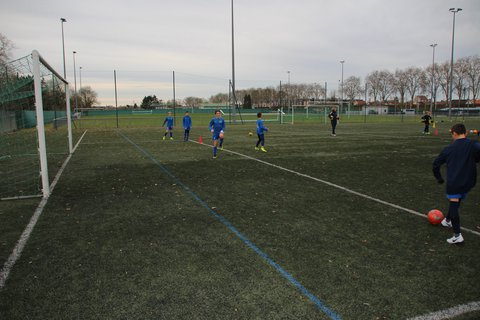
{"points": [[335, 186], [318, 303], [17, 250]]}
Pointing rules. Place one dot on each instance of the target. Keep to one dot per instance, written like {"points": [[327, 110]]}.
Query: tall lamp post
{"points": [[434, 96], [81, 100], [75, 80], [454, 11], [342, 62], [63, 46]]}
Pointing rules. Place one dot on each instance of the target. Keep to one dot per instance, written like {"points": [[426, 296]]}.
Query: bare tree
{"points": [[386, 83], [432, 73], [444, 78], [472, 73], [87, 97], [400, 84], [6, 47], [414, 78], [374, 84], [352, 87]]}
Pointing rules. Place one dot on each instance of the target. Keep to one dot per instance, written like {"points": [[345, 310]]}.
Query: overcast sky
{"points": [[145, 40]]}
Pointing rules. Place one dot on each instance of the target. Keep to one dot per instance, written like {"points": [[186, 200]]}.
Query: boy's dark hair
{"points": [[459, 128], [259, 115], [186, 111], [216, 111]]}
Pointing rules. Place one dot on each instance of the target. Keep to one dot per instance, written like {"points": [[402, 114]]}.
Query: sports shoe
{"points": [[446, 223], [214, 157], [455, 239], [221, 148], [257, 148], [263, 149], [171, 138], [163, 137]]}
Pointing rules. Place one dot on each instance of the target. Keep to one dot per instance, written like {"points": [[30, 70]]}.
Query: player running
{"points": [[217, 128], [169, 121]]}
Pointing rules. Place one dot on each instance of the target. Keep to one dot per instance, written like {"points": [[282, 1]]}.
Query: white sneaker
{"points": [[455, 240], [446, 223]]}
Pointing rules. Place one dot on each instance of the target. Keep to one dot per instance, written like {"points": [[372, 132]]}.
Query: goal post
{"points": [[35, 127], [42, 145]]}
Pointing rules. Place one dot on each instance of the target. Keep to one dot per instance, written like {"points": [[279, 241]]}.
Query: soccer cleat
{"points": [[163, 137], [257, 148], [221, 148], [446, 223], [455, 239], [171, 138], [214, 157], [263, 149]]}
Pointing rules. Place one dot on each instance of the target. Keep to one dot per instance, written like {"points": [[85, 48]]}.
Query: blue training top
{"points": [[168, 121], [461, 157], [187, 122], [217, 125], [260, 127]]}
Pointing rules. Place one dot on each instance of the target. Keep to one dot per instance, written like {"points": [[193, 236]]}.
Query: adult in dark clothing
{"points": [[461, 158], [333, 120], [426, 119]]}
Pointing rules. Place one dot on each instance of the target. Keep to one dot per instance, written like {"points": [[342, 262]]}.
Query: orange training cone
{"points": [[200, 140]]}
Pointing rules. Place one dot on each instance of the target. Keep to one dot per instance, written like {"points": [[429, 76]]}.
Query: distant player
{"points": [[260, 133], [426, 119], [169, 121], [333, 120], [187, 125], [461, 157], [217, 128]]}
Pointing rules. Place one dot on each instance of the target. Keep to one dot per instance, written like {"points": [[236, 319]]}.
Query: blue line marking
{"points": [[320, 305]]}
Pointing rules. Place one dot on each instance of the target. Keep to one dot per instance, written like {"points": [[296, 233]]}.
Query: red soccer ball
{"points": [[435, 216]]}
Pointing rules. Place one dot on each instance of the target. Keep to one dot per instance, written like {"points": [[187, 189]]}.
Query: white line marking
{"points": [[337, 186], [451, 312], [17, 250]]}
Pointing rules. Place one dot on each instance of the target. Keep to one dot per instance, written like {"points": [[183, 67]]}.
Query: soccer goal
{"points": [[34, 105]]}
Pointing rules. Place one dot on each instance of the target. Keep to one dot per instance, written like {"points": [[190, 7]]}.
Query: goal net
{"points": [[35, 127]]}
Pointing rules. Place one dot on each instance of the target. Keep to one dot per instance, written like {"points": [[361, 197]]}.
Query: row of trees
{"points": [[380, 85]]}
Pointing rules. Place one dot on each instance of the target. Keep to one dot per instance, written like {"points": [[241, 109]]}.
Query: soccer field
{"points": [[319, 227]]}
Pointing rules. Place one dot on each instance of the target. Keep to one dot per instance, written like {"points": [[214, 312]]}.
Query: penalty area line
{"points": [[17, 250], [451, 312], [365, 196]]}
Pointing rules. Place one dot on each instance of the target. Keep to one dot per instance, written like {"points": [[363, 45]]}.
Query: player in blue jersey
{"points": [[461, 157], [187, 125], [169, 121], [260, 133], [217, 128]]}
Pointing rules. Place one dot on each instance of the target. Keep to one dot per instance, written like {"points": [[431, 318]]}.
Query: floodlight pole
{"points": [[174, 101], [233, 70], [454, 11], [341, 106], [432, 103], [75, 81]]}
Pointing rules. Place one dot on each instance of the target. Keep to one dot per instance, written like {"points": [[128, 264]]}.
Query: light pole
{"points": [[342, 62], [75, 80], [432, 103], [81, 85], [63, 45], [454, 10]]}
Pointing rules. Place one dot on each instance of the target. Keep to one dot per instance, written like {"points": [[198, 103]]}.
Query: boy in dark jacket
{"points": [[461, 158]]}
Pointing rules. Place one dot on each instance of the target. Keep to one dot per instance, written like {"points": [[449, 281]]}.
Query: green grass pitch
{"points": [[131, 232]]}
